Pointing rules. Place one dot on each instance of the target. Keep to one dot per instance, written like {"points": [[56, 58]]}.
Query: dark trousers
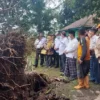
{"points": [[56, 59], [39, 56], [93, 68], [83, 69], [49, 60], [53, 60], [62, 59], [43, 59], [98, 74]]}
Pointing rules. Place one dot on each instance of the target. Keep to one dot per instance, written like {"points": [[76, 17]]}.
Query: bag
{"points": [[43, 51]]}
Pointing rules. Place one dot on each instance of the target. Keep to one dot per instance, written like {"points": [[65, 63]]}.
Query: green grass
{"points": [[51, 72], [61, 88]]}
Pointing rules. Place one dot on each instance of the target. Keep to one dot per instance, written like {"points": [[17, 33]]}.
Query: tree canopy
{"points": [[34, 14]]}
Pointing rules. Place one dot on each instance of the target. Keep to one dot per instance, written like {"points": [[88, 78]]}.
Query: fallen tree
{"points": [[15, 84]]}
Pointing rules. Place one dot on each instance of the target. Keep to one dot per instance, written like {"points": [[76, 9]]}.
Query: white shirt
{"points": [[63, 45], [72, 48], [41, 43], [69, 39], [93, 41], [36, 42], [57, 43]]}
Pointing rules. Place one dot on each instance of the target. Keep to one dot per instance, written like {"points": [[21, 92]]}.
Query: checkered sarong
{"points": [[70, 68]]}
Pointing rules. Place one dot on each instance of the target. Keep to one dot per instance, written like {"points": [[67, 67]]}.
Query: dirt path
{"points": [[83, 94], [98, 98]]}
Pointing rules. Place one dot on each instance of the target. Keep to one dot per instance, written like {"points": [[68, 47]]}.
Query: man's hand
{"points": [[80, 61], [99, 57], [65, 52], [56, 48]]}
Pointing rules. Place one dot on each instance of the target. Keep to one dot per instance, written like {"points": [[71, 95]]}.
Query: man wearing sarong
{"points": [[83, 61], [71, 55]]}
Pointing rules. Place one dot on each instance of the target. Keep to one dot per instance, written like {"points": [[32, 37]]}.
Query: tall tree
{"points": [[67, 13], [76, 9], [86, 8], [25, 14]]}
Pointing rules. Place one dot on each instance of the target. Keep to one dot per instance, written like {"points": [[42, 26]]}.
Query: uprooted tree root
{"points": [[15, 84], [39, 88]]}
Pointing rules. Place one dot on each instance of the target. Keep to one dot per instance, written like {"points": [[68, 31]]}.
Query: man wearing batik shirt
{"points": [[71, 55]]}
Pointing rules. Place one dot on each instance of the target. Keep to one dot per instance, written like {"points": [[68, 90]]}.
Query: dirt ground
{"points": [[67, 90]]}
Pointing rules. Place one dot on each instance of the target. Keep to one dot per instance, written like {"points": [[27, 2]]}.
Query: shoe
{"points": [[96, 83], [62, 74], [61, 71], [92, 80], [80, 84], [35, 66], [56, 67], [72, 79], [41, 65], [78, 87], [49, 67], [86, 82]]}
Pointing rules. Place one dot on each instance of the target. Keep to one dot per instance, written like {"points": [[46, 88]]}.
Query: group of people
{"points": [[76, 57]]}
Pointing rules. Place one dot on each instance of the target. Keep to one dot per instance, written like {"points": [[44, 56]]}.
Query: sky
{"points": [[52, 3]]}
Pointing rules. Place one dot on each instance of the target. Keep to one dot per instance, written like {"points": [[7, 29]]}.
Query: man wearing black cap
{"points": [[71, 55]]}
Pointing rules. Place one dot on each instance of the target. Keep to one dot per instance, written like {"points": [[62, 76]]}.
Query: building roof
{"points": [[83, 22]]}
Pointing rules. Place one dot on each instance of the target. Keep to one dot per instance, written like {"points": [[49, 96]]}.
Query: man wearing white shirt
{"points": [[36, 42], [71, 55], [93, 60], [56, 48], [62, 46], [39, 43]]}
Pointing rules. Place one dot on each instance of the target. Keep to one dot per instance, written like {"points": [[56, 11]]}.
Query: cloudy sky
{"points": [[52, 3]]}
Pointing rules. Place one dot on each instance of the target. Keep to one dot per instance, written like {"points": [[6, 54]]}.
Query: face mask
{"points": [[69, 38], [58, 37], [89, 35]]}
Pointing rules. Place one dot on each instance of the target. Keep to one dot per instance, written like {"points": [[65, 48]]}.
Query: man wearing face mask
{"points": [[56, 48], [62, 46], [93, 60], [97, 53]]}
